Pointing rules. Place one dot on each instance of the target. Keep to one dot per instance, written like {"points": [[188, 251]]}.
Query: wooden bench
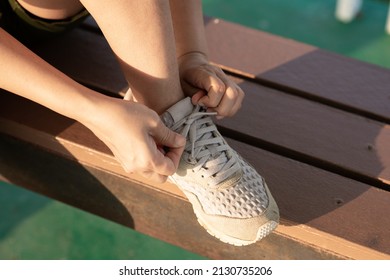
{"points": [[314, 124]]}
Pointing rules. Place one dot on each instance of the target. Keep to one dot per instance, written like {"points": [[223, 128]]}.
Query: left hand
{"points": [[209, 86]]}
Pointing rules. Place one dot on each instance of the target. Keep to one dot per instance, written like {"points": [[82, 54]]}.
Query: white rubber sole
{"points": [[262, 232]]}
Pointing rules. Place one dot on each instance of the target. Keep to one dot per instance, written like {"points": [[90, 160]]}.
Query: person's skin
{"points": [[219, 93], [141, 35], [156, 50], [138, 130], [148, 51], [52, 9]]}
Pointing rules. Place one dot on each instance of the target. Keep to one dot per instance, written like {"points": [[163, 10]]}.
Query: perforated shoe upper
{"points": [[222, 181]]}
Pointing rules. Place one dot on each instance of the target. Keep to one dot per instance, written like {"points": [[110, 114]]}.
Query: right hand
{"points": [[135, 134], [209, 86]]}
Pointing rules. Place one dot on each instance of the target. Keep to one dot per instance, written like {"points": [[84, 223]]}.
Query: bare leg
{"points": [[141, 35], [52, 9]]}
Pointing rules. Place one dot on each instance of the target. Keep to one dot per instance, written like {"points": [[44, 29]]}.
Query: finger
{"points": [[215, 88], [166, 137], [174, 154], [238, 104], [209, 82], [224, 108], [188, 89], [154, 159], [197, 96], [233, 95], [158, 178], [168, 162]]}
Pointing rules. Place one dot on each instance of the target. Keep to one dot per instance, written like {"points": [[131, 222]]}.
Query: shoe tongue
{"points": [[177, 112]]}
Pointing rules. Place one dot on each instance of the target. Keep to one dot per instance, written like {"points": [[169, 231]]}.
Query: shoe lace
{"points": [[205, 148]]}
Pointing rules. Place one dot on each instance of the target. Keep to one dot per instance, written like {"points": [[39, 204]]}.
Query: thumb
{"points": [[166, 137], [171, 140]]}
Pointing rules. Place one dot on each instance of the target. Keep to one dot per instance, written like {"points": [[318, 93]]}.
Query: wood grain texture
{"points": [[158, 214], [328, 136], [324, 215], [332, 137], [328, 203], [302, 69], [298, 68]]}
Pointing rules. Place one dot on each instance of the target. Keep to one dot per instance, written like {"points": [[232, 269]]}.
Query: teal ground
{"points": [[35, 227]]}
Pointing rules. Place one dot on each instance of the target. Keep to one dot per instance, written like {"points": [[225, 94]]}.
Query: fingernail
{"points": [[220, 117], [200, 104]]}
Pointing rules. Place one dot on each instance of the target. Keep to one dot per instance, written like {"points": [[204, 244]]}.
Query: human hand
{"points": [[137, 137], [209, 86]]}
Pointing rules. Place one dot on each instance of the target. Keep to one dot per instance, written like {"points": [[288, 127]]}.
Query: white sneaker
{"points": [[230, 199]]}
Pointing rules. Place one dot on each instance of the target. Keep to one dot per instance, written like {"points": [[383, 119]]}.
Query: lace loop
{"points": [[206, 148]]}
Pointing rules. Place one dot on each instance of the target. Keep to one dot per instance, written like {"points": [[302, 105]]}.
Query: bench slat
{"points": [[158, 214], [324, 215], [333, 139], [330, 204], [298, 68], [330, 138], [314, 73]]}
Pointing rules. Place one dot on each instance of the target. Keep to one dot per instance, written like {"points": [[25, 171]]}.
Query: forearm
{"points": [[132, 131], [187, 19], [25, 74], [206, 83]]}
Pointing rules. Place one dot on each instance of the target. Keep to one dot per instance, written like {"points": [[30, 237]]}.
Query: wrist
{"points": [[90, 108], [190, 59]]}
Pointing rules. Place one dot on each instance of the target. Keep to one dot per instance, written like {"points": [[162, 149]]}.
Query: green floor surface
{"points": [[35, 227], [314, 22]]}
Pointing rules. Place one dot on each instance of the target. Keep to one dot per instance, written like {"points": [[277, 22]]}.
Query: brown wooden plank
{"points": [[305, 70], [158, 214], [72, 136], [327, 135], [333, 207], [335, 139], [299, 68]]}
